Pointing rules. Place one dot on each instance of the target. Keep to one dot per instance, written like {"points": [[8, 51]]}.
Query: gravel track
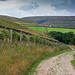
{"points": [[58, 65]]}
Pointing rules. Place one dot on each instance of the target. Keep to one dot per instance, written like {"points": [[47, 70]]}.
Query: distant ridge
{"points": [[18, 20], [54, 21]]}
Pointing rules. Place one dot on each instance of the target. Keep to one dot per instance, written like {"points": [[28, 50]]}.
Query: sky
{"points": [[26, 8]]}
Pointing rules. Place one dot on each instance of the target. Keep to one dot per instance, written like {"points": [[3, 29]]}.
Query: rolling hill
{"points": [[54, 21], [13, 25], [18, 20], [9, 24]]}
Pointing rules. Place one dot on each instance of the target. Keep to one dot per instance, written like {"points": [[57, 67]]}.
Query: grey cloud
{"points": [[31, 6], [22, 8], [3, 0]]}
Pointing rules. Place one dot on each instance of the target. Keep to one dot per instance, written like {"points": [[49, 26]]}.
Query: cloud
{"points": [[3, 0], [24, 8], [48, 10], [31, 6]]}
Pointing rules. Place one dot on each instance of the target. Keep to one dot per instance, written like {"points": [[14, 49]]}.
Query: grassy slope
{"points": [[18, 59], [18, 20], [11, 24], [63, 30]]}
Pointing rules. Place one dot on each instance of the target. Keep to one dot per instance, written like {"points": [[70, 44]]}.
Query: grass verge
{"points": [[73, 61]]}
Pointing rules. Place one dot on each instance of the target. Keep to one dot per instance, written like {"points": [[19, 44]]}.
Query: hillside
{"points": [[18, 20], [10, 24], [54, 21], [19, 58]]}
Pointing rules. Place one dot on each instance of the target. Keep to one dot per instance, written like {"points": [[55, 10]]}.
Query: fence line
{"points": [[29, 34]]}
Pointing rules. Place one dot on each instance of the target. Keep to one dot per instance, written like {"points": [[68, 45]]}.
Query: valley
{"points": [[30, 45]]}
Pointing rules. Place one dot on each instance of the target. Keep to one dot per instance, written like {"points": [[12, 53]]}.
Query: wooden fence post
{"points": [[11, 36], [49, 43], [45, 42], [28, 38], [20, 36], [42, 40], [34, 39], [39, 40]]}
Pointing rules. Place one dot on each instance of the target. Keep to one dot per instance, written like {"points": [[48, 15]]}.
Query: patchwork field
{"points": [[63, 30]]}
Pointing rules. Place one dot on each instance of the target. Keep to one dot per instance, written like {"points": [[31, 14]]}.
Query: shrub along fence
{"points": [[17, 35]]}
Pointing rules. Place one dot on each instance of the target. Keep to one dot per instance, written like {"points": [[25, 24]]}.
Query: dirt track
{"points": [[59, 65]]}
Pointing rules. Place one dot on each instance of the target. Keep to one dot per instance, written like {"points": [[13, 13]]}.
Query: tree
{"points": [[67, 38], [73, 40]]}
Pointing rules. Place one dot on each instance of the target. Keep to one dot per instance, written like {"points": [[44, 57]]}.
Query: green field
{"points": [[63, 30]]}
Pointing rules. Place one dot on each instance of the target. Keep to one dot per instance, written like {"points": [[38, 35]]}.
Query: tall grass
{"points": [[73, 61], [17, 59]]}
